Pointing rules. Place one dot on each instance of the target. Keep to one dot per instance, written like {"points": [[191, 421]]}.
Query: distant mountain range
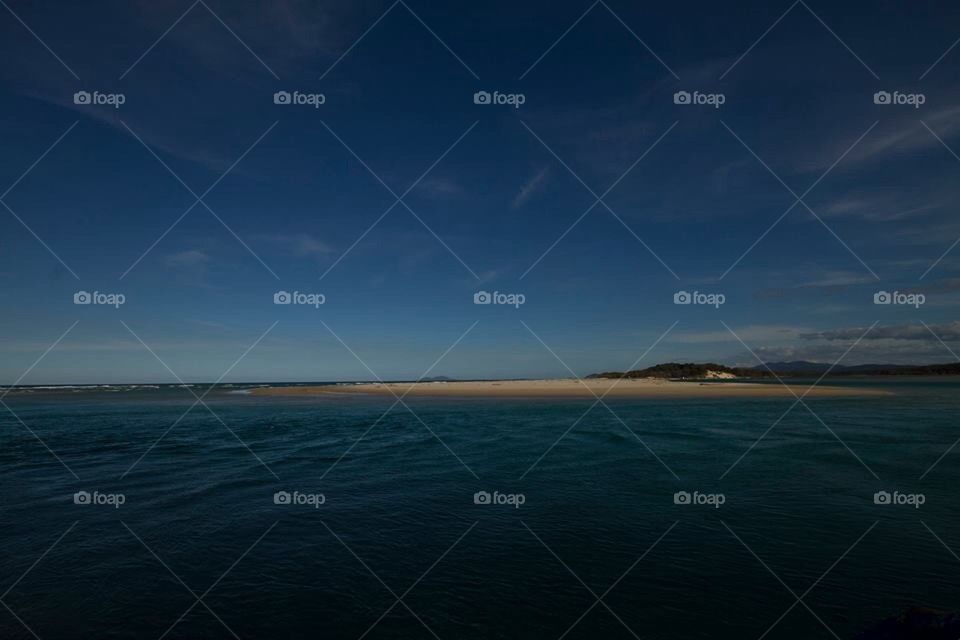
{"points": [[798, 368], [819, 368]]}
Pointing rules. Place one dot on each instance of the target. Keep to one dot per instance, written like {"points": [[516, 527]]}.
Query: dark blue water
{"points": [[398, 518]]}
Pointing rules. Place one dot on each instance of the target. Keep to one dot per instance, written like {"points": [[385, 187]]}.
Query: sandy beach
{"points": [[572, 388]]}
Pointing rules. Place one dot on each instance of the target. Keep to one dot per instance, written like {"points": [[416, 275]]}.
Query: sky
{"points": [[630, 156]]}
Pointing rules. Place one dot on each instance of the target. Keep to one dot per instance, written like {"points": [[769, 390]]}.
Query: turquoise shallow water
{"points": [[395, 506]]}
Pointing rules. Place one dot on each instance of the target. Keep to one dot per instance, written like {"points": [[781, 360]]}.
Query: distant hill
{"points": [[800, 368], [803, 366], [687, 370], [796, 365], [818, 368]]}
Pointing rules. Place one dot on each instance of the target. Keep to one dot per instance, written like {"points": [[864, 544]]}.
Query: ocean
{"points": [[341, 517]]}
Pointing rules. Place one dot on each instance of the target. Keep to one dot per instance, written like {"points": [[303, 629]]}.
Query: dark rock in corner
{"points": [[916, 624]]}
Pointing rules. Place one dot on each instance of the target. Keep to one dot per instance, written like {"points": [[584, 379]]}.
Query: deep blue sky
{"points": [[399, 98]]}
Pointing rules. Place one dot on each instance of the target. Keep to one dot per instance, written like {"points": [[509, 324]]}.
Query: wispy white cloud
{"points": [[190, 259], [530, 187], [299, 244]]}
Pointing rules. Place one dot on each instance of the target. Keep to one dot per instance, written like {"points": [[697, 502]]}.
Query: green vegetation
{"points": [[684, 371], [694, 371]]}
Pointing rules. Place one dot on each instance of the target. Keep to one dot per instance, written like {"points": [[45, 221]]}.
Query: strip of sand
{"points": [[573, 388]]}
